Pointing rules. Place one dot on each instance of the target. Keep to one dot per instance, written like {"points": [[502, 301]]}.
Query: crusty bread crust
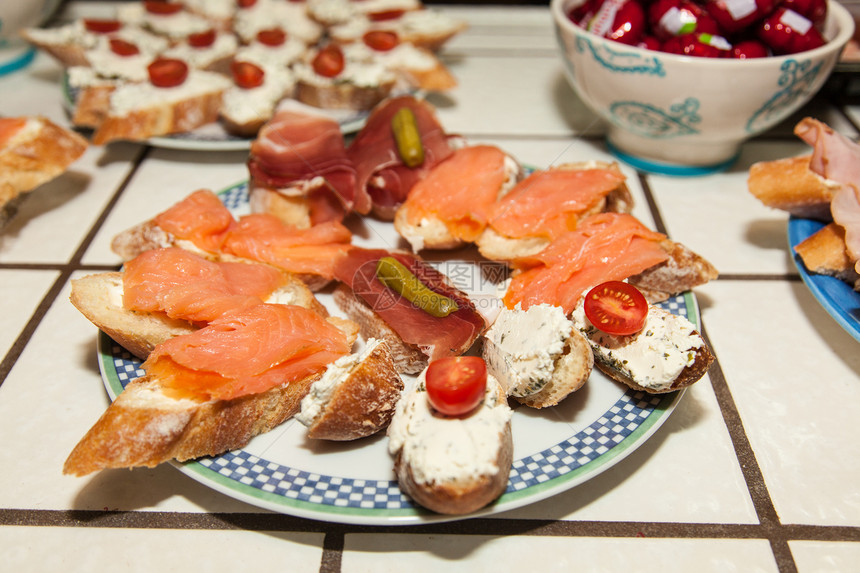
{"points": [[687, 377], [185, 115], [293, 210], [91, 105], [67, 54], [145, 427], [824, 252], [788, 184], [570, 373], [363, 402], [460, 496], [342, 95], [407, 358], [142, 237], [681, 272]]}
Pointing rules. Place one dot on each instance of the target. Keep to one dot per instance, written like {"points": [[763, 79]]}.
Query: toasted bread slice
{"points": [[824, 252], [788, 184], [355, 397], [537, 355], [452, 465], [666, 355], [682, 271]]}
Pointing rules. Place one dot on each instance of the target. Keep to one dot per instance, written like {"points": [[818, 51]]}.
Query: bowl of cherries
{"points": [[682, 84]]}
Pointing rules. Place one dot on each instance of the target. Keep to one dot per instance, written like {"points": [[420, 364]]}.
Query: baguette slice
{"points": [[355, 397], [666, 355], [824, 252], [99, 298], [788, 184], [452, 465], [537, 355], [145, 426], [682, 271]]}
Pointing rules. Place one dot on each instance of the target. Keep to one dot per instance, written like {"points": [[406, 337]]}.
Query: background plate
{"points": [[555, 449], [837, 297]]}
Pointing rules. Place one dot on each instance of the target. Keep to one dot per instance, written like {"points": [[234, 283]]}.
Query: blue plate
{"points": [[837, 297]]}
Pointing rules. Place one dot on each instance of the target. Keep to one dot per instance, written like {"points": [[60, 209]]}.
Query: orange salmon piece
{"points": [[550, 203], [200, 218], [265, 238], [247, 352], [606, 246], [185, 286], [460, 191], [9, 126]]}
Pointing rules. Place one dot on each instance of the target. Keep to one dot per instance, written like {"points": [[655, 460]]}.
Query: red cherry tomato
{"points": [[381, 40], [102, 26], [202, 39], [123, 48], [167, 72], [246, 3], [329, 61], [272, 37], [247, 75], [616, 308], [161, 7], [455, 385], [385, 15]]}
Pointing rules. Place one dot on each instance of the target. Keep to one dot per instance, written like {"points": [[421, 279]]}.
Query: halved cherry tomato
{"points": [[329, 61], [123, 48], [161, 7], [247, 75], [102, 26], [272, 37], [616, 308], [456, 384], [245, 3], [385, 15], [167, 72], [381, 40], [202, 39]]}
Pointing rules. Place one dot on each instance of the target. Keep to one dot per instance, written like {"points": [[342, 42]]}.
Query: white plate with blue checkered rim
{"points": [[555, 449]]}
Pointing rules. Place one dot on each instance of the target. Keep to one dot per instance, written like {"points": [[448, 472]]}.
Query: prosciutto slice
{"points": [[383, 181], [437, 337], [837, 158], [303, 151]]}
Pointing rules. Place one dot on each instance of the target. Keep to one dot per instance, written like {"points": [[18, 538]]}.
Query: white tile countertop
{"points": [[756, 469]]}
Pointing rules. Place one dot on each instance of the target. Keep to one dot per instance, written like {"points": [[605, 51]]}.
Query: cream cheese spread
{"points": [[224, 46], [242, 105], [652, 358], [441, 449], [128, 98], [522, 346]]}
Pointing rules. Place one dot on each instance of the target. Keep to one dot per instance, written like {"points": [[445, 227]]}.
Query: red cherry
{"points": [[619, 20], [748, 49], [787, 32], [735, 15], [698, 45], [649, 43], [814, 10], [678, 17]]}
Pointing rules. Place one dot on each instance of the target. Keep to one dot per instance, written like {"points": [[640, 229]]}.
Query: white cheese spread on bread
{"points": [[522, 346], [441, 449], [131, 97], [652, 358]]}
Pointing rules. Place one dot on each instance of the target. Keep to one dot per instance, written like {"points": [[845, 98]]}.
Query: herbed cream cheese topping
{"points": [[291, 16], [652, 358], [402, 56], [426, 23], [224, 46], [128, 98], [247, 105], [73, 33], [321, 391], [442, 449], [361, 74], [220, 9], [175, 26], [522, 346], [106, 64], [290, 51]]}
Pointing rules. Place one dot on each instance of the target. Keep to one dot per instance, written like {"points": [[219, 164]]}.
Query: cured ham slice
{"points": [[606, 246], [437, 337], [550, 203], [186, 286], [301, 152], [837, 158], [383, 180], [265, 238], [247, 352], [200, 218]]}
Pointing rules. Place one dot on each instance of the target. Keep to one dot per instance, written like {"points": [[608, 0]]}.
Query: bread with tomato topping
{"points": [[452, 465], [355, 397]]}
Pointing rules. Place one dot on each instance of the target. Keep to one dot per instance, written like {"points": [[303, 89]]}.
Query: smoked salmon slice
{"points": [[265, 238], [200, 218], [186, 286], [551, 202], [461, 191], [9, 127], [247, 352], [605, 246]]}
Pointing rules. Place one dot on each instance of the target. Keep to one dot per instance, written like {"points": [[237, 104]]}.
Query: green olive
{"points": [[407, 137], [394, 274]]}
